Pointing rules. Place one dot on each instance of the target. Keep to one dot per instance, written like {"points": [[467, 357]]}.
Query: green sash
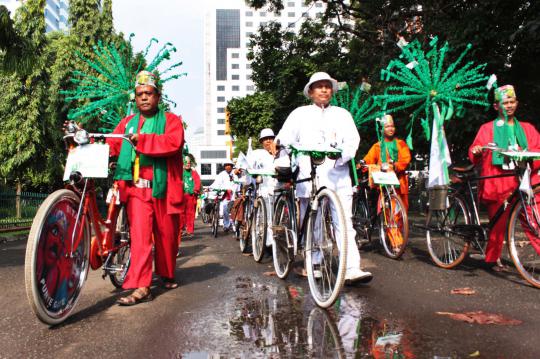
{"points": [[503, 137], [392, 149], [189, 184], [124, 166]]}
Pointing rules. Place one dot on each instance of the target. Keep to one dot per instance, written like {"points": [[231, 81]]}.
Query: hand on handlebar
{"points": [[133, 137], [477, 150]]}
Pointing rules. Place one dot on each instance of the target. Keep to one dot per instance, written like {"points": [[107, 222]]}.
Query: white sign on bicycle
{"points": [[90, 160], [386, 178]]}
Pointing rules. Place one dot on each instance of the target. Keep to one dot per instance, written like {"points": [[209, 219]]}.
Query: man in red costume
{"points": [[395, 153], [151, 183], [509, 133], [192, 188]]}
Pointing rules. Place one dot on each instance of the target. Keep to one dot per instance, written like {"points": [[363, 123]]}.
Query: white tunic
{"points": [[313, 126]]}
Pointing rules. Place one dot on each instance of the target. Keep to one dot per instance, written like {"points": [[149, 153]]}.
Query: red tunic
{"points": [[498, 189], [167, 145]]}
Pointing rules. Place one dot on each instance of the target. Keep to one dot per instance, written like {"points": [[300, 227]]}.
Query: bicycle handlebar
{"points": [[82, 137]]}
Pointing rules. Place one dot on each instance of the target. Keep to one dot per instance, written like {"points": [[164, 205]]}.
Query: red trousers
{"points": [[187, 216], [148, 219]]}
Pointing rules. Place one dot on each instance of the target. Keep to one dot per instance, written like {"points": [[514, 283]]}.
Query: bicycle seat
{"points": [[462, 173]]}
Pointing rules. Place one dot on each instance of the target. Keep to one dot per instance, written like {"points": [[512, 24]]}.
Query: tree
{"points": [[249, 115], [16, 52]]}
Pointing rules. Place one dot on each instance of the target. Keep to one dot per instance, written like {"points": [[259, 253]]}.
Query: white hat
{"points": [[228, 162], [266, 132], [320, 76]]}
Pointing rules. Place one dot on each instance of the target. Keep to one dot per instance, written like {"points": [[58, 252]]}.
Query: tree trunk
{"points": [[18, 200]]}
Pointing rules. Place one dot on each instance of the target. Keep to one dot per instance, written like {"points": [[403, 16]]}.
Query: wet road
{"points": [[226, 306]]}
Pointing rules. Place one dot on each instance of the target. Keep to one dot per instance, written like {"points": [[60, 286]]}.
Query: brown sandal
{"points": [[138, 296]]}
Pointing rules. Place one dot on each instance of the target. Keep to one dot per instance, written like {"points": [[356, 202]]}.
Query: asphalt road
{"points": [[228, 306]]}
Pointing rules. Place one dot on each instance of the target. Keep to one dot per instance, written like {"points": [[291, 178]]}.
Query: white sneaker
{"points": [[357, 275], [478, 256], [317, 273]]}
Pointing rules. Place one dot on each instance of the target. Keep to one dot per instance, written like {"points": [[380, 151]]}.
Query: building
{"points": [[228, 27], [56, 13]]}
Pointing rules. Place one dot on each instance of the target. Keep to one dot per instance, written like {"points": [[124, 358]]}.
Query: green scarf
{"points": [[502, 136], [392, 149], [124, 166], [189, 185]]}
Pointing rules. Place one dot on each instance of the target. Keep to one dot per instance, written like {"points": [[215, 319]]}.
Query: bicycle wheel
{"points": [[284, 228], [447, 248], [394, 228], [524, 239], [326, 248], [242, 228], [323, 338], [361, 219], [258, 229], [53, 278], [120, 260], [215, 219]]}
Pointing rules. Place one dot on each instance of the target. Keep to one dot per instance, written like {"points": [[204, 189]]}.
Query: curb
{"points": [[13, 238]]}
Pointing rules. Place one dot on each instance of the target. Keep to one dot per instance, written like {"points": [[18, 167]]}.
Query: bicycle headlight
{"points": [[81, 137]]}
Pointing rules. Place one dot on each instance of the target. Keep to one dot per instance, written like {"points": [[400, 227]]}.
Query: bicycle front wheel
{"points": [[242, 228], [326, 248], [284, 228], [446, 246], [258, 229], [54, 273], [121, 258], [524, 239], [394, 228]]}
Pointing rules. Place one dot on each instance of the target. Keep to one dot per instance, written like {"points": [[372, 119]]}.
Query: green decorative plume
{"points": [[357, 102], [106, 91], [422, 80]]}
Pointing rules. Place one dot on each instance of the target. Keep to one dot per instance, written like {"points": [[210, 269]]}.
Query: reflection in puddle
{"points": [[283, 322]]}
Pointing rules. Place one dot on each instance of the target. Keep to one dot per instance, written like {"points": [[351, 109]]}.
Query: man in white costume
{"points": [[225, 180], [321, 124]]}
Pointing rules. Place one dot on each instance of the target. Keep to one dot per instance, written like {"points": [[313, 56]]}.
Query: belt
{"points": [[142, 183]]}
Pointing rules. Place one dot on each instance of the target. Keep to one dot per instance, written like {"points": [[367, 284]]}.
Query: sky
{"points": [[180, 22]]}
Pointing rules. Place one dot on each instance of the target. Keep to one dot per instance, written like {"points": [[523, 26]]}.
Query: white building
{"points": [[228, 27], [56, 13]]}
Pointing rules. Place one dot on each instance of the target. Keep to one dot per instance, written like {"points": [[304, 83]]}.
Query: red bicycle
{"points": [[68, 234]]}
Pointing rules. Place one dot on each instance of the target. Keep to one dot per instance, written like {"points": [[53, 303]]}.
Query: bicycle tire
{"points": [[326, 252], [53, 280], [323, 334], [394, 228], [283, 221], [361, 218], [121, 259], [258, 229], [215, 220], [525, 256], [242, 233], [438, 234]]}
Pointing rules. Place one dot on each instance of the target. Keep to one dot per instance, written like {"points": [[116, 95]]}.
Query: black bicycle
{"points": [[453, 225]]}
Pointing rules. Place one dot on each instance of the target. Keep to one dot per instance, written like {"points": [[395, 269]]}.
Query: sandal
{"points": [[138, 296], [169, 283]]}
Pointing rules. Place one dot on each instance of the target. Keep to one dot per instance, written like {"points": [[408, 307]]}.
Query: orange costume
{"points": [[374, 157]]}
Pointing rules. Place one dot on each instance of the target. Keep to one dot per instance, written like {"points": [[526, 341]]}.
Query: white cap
{"points": [[228, 162], [266, 132], [320, 76]]}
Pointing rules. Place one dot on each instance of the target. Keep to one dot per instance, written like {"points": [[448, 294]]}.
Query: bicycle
{"points": [[260, 217], [387, 214], [216, 198], [454, 226], [60, 247], [242, 228], [325, 252]]}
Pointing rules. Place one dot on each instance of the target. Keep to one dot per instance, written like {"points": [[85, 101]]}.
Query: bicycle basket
{"points": [[438, 197], [284, 174]]}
